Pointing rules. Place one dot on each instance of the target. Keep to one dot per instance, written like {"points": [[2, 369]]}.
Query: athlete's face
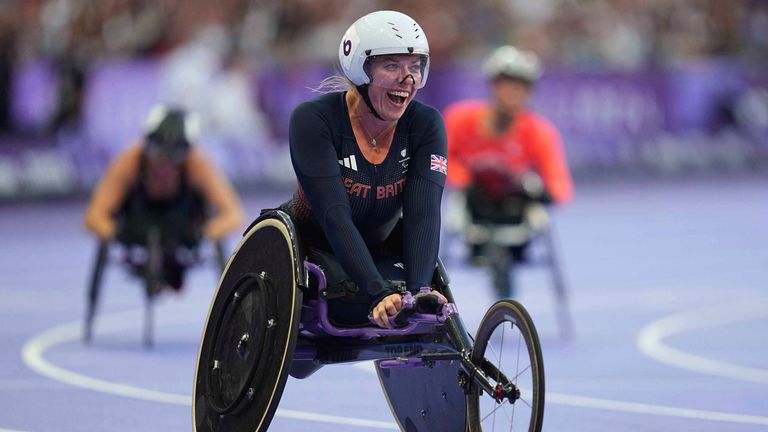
{"points": [[163, 177], [394, 80], [511, 95]]}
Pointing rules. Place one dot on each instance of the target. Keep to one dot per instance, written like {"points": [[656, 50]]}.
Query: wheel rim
{"points": [[507, 350], [241, 335]]}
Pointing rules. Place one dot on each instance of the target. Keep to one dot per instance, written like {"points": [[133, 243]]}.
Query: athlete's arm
{"points": [[110, 192], [459, 175], [218, 192], [317, 170], [421, 203], [551, 163]]}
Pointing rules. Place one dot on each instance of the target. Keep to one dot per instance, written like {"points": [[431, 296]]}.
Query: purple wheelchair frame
{"points": [[426, 339], [372, 332], [370, 342]]}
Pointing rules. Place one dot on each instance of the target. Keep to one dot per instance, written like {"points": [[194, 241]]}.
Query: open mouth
{"points": [[398, 97]]}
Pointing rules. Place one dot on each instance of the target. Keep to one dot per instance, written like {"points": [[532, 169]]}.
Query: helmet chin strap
{"points": [[363, 90]]}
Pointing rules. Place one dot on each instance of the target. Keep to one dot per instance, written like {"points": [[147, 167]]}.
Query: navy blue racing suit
{"points": [[353, 209]]}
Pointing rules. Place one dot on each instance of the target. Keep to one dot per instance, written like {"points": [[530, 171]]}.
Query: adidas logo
{"points": [[349, 162]]}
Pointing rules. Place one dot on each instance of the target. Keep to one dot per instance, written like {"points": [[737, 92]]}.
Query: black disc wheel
{"points": [[508, 351], [245, 330], [249, 338]]}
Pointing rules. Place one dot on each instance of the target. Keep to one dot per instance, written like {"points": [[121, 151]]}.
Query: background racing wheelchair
{"points": [[157, 245], [503, 220], [269, 319]]}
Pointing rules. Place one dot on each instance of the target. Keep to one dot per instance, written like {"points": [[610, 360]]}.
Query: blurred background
{"points": [[663, 109], [638, 88]]}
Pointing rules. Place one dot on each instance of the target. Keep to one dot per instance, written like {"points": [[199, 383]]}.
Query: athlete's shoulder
{"points": [[422, 120], [537, 121], [538, 127], [131, 155], [420, 110], [327, 104]]}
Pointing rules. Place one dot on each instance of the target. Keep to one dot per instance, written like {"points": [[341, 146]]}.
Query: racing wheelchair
{"points": [[504, 222], [269, 319], [157, 254]]}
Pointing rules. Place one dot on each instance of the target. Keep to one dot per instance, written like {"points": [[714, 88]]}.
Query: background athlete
{"points": [[506, 160], [164, 184], [504, 132]]}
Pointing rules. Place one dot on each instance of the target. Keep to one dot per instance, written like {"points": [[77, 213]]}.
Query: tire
{"points": [[94, 289], [250, 335], [507, 347]]}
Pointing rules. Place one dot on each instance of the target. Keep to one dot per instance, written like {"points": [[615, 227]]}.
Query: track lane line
{"points": [[633, 407], [34, 349], [33, 355], [650, 340]]}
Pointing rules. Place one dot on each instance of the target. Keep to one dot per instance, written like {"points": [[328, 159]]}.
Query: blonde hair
{"points": [[334, 83]]}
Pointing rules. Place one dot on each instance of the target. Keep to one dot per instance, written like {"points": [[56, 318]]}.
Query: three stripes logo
{"points": [[349, 162]]}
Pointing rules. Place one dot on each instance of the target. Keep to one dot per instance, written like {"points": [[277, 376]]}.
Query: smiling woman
{"points": [[368, 191], [395, 80]]}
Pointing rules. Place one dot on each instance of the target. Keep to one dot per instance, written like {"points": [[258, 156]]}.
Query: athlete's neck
{"points": [[374, 128]]}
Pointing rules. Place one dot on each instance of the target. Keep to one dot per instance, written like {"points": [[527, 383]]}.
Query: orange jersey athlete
{"points": [[504, 132], [529, 143]]}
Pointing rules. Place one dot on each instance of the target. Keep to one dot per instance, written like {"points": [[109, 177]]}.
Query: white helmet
{"points": [[512, 62], [379, 33]]}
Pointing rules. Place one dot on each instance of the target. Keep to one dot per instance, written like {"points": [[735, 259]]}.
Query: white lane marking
{"points": [[651, 339], [303, 415], [641, 408], [10, 430], [631, 407], [33, 355]]}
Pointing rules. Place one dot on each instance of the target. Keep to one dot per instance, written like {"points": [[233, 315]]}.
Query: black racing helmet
{"points": [[169, 133]]}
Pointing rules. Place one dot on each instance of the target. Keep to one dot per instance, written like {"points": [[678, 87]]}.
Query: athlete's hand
{"points": [[439, 295], [105, 229], [388, 306]]}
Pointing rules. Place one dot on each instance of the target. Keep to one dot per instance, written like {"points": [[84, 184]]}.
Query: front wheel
{"points": [[508, 351]]}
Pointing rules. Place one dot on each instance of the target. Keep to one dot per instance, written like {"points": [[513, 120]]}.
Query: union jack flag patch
{"points": [[438, 163]]}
